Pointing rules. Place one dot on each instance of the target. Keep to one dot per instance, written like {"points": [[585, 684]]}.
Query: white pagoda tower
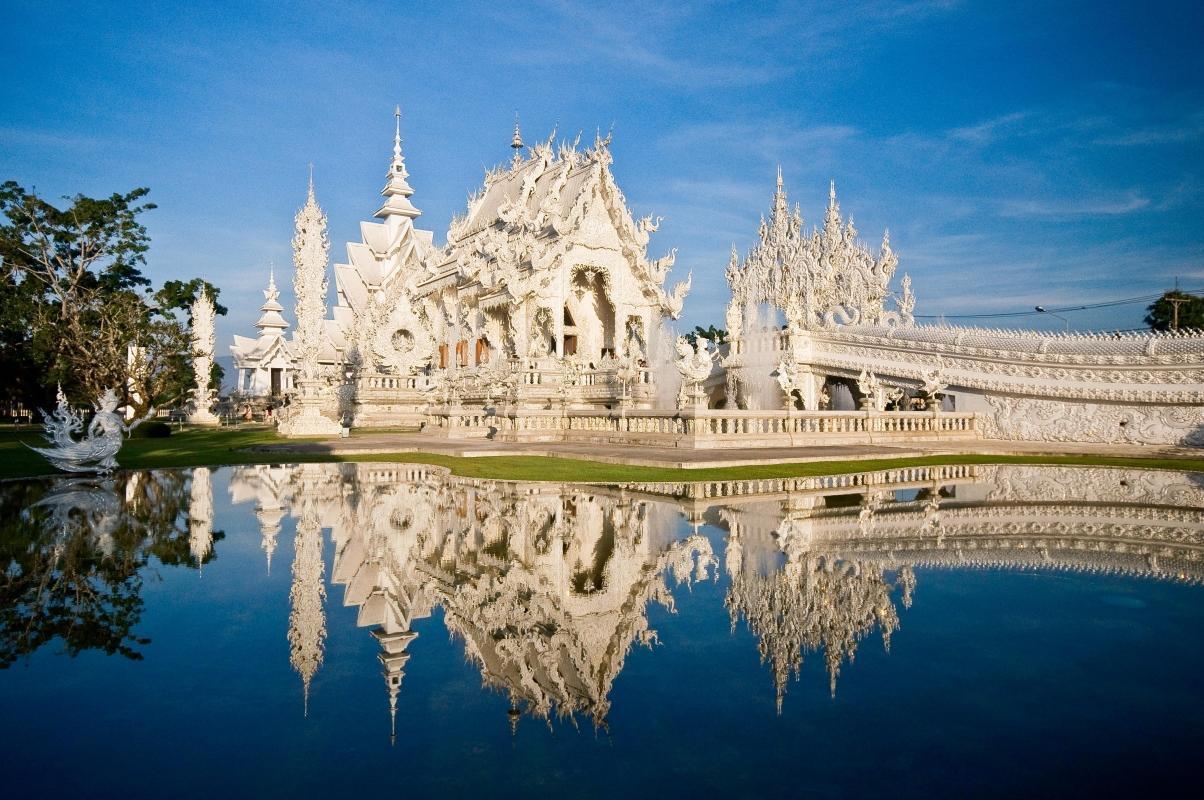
{"points": [[265, 364]]}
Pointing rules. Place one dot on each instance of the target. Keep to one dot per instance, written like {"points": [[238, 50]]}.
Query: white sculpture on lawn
{"points": [[311, 252], [695, 365], [203, 315], [96, 451]]}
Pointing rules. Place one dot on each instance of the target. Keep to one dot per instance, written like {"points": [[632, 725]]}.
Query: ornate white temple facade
{"points": [[543, 295], [543, 318]]}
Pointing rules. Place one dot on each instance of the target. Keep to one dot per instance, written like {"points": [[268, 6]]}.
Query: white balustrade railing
{"points": [[720, 427], [898, 478]]}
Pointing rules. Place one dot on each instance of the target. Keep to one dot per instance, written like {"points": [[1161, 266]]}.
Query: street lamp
{"points": [[1044, 310]]}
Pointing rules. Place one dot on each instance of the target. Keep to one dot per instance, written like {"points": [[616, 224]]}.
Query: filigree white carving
{"points": [[1038, 420], [820, 279], [96, 450], [311, 253], [203, 338], [695, 365]]}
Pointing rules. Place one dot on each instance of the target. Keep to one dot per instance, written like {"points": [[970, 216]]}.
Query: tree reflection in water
{"points": [[74, 553]]}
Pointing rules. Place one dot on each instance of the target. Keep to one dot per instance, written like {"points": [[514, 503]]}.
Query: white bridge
{"points": [[1139, 388]]}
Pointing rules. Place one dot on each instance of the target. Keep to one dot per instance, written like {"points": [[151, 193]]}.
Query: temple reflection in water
{"points": [[548, 586]]}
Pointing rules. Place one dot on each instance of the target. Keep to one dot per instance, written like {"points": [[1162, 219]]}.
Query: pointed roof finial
{"points": [[832, 194], [516, 143], [311, 182], [779, 176], [397, 133]]}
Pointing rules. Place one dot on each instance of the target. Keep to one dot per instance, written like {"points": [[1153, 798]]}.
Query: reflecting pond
{"points": [[391, 629]]}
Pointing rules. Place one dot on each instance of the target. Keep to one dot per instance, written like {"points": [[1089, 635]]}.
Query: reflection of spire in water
{"points": [[269, 517], [307, 619], [393, 658], [200, 516], [817, 603]]}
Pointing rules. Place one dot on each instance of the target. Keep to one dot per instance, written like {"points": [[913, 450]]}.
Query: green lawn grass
{"points": [[207, 447]]}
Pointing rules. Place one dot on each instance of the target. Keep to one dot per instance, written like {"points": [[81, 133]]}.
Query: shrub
{"points": [[153, 430]]}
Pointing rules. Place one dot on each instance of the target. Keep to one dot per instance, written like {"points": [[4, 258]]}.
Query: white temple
{"points": [[542, 318], [544, 282]]}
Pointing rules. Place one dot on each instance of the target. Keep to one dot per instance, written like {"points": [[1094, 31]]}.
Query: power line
{"points": [[1086, 307]]}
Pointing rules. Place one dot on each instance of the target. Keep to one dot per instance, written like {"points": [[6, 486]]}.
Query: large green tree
{"points": [[1176, 309], [75, 302]]}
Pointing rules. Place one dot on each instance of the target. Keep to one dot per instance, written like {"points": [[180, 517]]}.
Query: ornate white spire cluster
{"points": [[311, 253], [203, 339], [816, 279]]}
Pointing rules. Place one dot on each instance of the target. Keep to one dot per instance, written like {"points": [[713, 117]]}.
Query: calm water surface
{"points": [[382, 630]]}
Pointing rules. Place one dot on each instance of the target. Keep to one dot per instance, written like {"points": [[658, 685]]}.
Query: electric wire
{"points": [[1085, 307]]}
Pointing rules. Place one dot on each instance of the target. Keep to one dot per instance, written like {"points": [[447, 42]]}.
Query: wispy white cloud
{"points": [[15, 136], [985, 132], [1187, 129], [1075, 207]]}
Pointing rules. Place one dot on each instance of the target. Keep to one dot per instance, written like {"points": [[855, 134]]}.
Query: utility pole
{"points": [[1176, 302]]}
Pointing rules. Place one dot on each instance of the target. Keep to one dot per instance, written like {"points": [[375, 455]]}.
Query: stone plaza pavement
{"points": [[384, 442]]}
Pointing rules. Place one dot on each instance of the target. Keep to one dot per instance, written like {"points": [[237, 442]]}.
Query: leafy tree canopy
{"points": [[75, 309], [1160, 314]]}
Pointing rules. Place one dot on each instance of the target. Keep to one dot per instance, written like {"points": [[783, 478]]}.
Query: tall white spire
{"points": [[397, 189], [311, 254]]}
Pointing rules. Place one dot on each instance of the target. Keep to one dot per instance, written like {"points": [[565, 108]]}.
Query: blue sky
{"points": [[1020, 153]]}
